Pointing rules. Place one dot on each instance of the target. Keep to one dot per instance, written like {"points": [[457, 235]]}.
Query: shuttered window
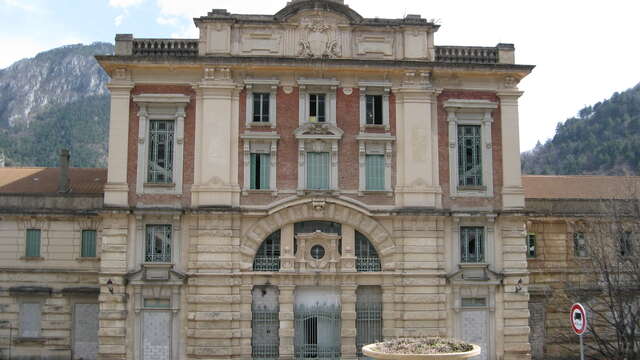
{"points": [[469, 155], [318, 170], [33, 243], [374, 172], [88, 246], [259, 171], [579, 244], [160, 168]]}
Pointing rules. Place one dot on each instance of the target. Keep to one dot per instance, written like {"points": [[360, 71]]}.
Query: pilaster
{"points": [[287, 328], [512, 191], [348, 319]]}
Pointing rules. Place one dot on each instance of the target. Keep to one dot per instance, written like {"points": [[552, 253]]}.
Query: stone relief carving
{"points": [[320, 41]]}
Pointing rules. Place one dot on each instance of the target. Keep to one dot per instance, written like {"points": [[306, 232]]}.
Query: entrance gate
{"points": [[317, 331]]}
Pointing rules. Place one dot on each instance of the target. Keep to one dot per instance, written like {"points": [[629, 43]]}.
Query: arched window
{"points": [[366, 255], [268, 255]]}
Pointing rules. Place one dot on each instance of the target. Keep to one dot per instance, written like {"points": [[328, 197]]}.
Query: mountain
{"points": [[603, 139], [56, 99]]}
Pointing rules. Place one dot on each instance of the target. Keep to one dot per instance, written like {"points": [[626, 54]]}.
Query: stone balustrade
{"points": [[467, 54], [127, 45]]}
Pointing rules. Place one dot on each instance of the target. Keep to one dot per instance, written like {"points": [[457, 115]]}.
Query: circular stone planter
{"points": [[370, 351]]}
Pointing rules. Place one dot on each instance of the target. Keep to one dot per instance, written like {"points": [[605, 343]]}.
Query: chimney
{"points": [[64, 183]]}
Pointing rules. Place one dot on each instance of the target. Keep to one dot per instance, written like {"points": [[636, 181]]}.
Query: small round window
{"points": [[317, 252]]}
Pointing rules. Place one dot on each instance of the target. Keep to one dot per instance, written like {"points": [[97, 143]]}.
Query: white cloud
{"points": [[26, 47], [167, 20], [22, 5], [118, 20], [125, 3]]}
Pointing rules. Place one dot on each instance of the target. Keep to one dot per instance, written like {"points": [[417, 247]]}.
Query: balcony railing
{"points": [[165, 47], [467, 54]]}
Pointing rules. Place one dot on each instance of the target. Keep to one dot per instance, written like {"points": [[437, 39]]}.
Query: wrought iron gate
{"points": [[317, 331], [265, 338], [368, 325]]}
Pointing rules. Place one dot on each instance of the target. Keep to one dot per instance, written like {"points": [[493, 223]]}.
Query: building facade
{"points": [[285, 186]]}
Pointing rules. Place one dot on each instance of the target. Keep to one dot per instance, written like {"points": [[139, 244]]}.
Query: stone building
{"points": [[285, 186]]}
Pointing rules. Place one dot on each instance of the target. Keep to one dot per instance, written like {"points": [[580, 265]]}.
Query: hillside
{"points": [[603, 139], [57, 98]]}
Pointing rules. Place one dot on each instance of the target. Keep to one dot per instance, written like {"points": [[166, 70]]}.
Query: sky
{"points": [[584, 50]]}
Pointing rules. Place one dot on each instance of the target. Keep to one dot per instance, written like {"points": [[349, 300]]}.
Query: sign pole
{"points": [[581, 348]]}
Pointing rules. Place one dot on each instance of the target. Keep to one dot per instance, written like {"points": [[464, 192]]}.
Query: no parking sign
{"points": [[578, 318]]}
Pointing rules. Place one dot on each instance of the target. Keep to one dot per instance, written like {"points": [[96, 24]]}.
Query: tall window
{"points": [[158, 243], [375, 172], [160, 168], [88, 246], [268, 255], [579, 244], [33, 243], [531, 245], [472, 245], [374, 109], [318, 170], [265, 322], [469, 155], [625, 247], [317, 108], [260, 167], [30, 319], [261, 107], [366, 255], [368, 316]]}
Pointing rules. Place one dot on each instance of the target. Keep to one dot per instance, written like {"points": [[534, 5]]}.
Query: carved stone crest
{"points": [[319, 42]]}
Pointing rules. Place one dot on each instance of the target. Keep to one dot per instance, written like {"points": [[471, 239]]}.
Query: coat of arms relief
{"points": [[320, 41]]}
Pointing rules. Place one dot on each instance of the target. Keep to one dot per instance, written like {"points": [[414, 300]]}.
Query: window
{"points": [[268, 255], [374, 109], [625, 245], [469, 155], [375, 172], [260, 167], [157, 303], [265, 322], [158, 243], [579, 244], [318, 170], [472, 244], [30, 319], [88, 246], [474, 302], [33, 243], [366, 255], [531, 245], [368, 316], [261, 107], [160, 167], [317, 109]]}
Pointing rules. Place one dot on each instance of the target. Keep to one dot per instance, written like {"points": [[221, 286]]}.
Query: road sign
{"points": [[578, 319]]}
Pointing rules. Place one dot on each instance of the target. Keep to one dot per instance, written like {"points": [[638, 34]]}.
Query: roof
{"points": [[38, 180], [581, 187]]}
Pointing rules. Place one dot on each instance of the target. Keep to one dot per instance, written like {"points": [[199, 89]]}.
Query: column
{"points": [[116, 190], [512, 191], [348, 261], [287, 257], [348, 320], [287, 326]]}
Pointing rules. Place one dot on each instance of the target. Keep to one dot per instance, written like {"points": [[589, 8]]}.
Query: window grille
{"points": [[265, 323], [317, 170], [469, 155], [368, 317], [260, 168], [158, 243], [268, 255], [366, 255], [472, 244], [374, 109], [33, 243], [531, 245], [88, 246], [317, 331], [261, 107], [374, 169], [579, 244], [160, 169], [317, 109]]}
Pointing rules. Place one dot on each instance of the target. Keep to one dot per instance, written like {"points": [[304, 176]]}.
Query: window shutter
{"points": [[264, 170], [33, 243], [252, 169], [317, 170], [375, 172], [88, 248]]}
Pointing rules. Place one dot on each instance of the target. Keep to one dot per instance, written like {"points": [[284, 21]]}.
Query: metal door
{"points": [[85, 331], [156, 335], [317, 331], [475, 330]]}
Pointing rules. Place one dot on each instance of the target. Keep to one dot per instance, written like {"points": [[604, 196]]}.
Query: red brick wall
{"points": [[188, 149], [443, 150], [347, 119]]}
